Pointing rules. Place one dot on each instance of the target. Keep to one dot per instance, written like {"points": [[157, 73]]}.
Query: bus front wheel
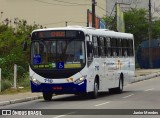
{"points": [[94, 94], [47, 96]]}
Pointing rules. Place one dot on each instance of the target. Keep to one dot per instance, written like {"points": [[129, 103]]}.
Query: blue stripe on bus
{"points": [[67, 88]]}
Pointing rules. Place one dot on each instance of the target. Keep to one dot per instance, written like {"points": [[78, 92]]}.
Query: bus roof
{"points": [[92, 31]]}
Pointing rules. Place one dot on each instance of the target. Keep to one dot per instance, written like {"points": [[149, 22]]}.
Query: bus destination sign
{"points": [[58, 34], [46, 34]]}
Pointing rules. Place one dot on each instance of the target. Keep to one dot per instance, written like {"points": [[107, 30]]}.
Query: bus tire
{"points": [[94, 94], [120, 87], [47, 96]]}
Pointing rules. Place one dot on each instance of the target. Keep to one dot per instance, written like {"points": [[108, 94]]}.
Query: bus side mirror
{"points": [[24, 45]]}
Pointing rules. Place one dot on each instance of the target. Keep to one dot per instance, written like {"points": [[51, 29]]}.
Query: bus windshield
{"points": [[57, 54]]}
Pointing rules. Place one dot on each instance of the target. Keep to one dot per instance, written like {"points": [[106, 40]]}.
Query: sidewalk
{"points": [[143, 74], [140, 74], [18, 98]]}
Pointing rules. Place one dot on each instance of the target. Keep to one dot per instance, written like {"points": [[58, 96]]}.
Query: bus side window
{"points": [[108, 46], [89, 49], [130, 47], [99, 47], [113, 46], [102, 46], [119, 52], [124, 47], [105, 47], [95, 46]]}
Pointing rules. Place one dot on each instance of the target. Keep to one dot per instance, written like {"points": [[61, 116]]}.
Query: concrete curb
{"points": [[136, 79], [146, 77], [20, 100]]}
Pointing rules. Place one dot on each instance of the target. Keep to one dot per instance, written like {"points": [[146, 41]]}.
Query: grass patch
{"points": [[5, 84], [14, 91], [23, 85]]}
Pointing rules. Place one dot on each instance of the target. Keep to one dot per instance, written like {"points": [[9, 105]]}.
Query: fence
{"points": [[0, 80], [15, 77]]}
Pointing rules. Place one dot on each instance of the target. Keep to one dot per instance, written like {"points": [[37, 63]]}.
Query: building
{"points": [[56, 13], [50, 13], [135, 4]]}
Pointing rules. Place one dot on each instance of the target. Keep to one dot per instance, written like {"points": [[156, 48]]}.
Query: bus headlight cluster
{"points": [[80, 80], [35, 81]]}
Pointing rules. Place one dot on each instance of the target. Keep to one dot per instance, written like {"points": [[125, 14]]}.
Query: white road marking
{"points": [[149, 89], [128, 96], [101, 104], [64, 115]]}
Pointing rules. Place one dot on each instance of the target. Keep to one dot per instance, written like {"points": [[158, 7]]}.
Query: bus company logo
{"points": [[119, 65], [69, 79], [96, 67], [110, 64], [6, 112]]}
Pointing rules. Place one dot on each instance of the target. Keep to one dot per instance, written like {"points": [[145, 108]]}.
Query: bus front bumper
{"points": [[64, 88]]}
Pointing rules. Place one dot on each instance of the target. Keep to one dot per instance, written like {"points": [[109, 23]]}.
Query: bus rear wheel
{"points": [[47, 96], [120, 87]]}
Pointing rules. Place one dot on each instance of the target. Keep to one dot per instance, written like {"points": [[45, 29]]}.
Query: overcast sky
{"points": [[54, 13]]}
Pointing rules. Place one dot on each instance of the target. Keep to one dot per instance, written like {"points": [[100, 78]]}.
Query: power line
{"points": [[64, 22], [50, 3], [102, 9], [76, 22], [79, 4], [70, 2], [54, 23]]}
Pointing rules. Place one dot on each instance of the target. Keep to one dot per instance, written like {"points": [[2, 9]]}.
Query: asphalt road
{"points": [[140, 95]]}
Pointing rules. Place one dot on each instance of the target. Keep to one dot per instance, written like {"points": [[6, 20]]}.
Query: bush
{"points": [[5, 84], [12, 37], [24, 80]]}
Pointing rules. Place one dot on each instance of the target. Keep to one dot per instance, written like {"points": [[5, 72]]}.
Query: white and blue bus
{"points": [[77, 60]]}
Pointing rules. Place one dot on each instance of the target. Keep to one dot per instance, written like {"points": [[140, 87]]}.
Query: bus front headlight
{"points": [[80, 80], [35, 80]]}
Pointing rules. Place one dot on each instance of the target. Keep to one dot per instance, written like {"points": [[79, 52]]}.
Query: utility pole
{"points": [[106, 9], [93, 13], [150, 35]]}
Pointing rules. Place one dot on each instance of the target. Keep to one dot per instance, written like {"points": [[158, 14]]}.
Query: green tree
{"points": [[156, 29], [110, 22], [11, 52], [136, 22]]}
